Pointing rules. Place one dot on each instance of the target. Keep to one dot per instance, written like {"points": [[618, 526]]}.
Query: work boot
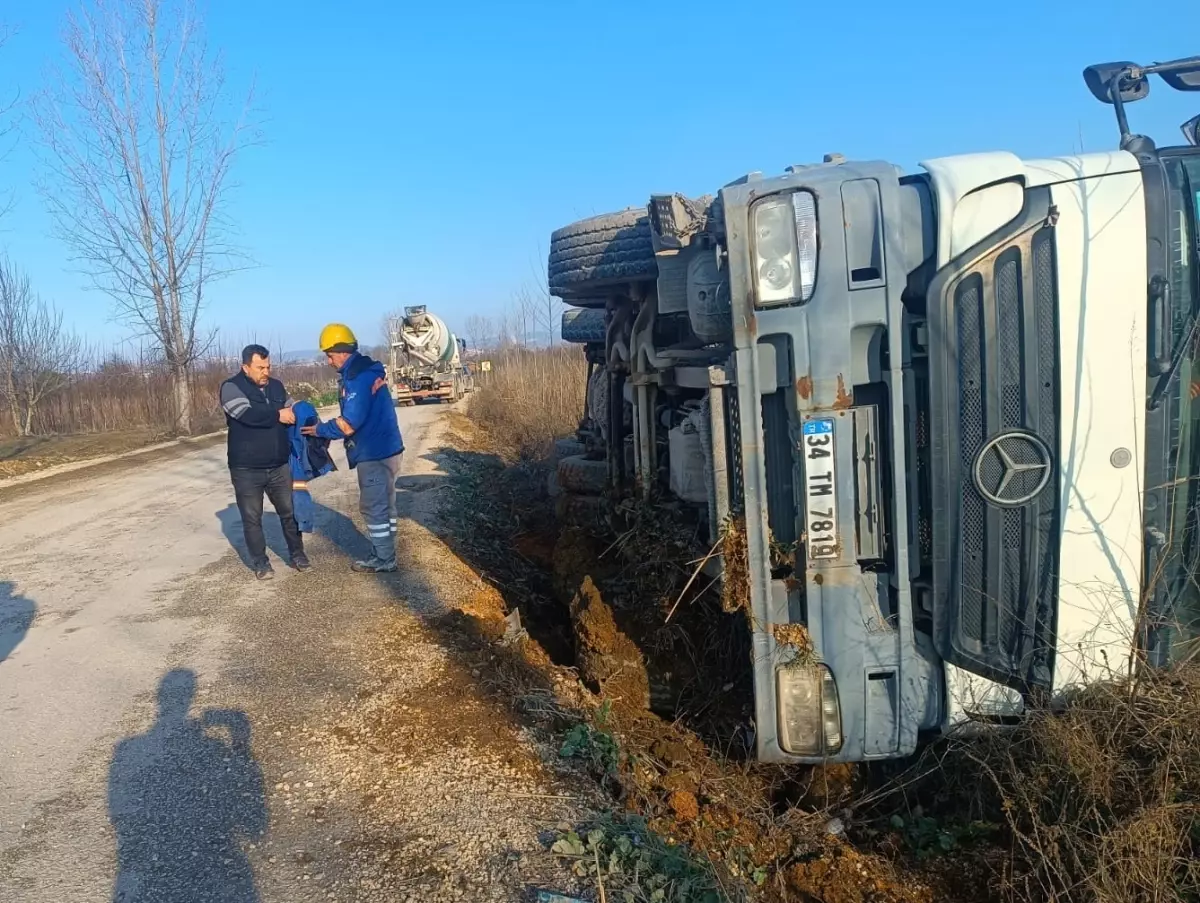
{"points": [[374, 565], [300, 562], [264, 571]]}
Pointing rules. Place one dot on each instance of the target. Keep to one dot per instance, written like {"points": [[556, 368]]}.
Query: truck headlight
{"points": [[785, 247], [810, 717]]}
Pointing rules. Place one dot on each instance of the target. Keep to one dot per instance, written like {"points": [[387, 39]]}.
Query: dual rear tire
{"points": [[577, 484]]}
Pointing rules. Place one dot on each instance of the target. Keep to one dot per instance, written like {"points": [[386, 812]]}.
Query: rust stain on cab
{"points": [[804, 387], [844, 399]]}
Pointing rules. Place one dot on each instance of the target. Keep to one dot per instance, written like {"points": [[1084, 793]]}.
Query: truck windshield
{"points": [[1183, 623]]}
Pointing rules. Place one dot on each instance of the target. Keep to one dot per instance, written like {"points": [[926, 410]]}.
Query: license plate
{"points": [[820, 490]]}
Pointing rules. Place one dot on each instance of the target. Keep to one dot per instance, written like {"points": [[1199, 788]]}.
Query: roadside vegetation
{"points": [[1097, 803], [530, 398], [110, 403]]}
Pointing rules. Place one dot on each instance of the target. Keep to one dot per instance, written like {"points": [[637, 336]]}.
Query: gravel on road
{"points": [[320, 737]]}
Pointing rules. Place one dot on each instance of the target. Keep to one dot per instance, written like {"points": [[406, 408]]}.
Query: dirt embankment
{"points": [[663, 674], [32, 457]]}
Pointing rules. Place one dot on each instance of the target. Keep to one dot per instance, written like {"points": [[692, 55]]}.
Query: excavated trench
{"points": [[606, 600], [615, 613]]}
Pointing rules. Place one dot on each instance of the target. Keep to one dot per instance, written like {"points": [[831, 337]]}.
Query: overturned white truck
{"points": [[961, 401]]}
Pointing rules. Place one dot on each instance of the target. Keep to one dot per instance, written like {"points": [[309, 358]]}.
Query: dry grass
{"points": [[124, 395], [131, 394], [1102, 800], [530, 398], [735, 588]]}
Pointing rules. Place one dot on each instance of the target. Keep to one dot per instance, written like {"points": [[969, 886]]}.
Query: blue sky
{"points": [[424, 154]]}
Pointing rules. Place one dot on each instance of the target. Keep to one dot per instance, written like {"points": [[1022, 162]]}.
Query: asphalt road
{"points": [[123, 775]]}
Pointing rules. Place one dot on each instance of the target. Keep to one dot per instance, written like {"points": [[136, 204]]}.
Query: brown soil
{"points": [[608, 660], [684, 805], [693, 777], [841, 875], [30, 454]]}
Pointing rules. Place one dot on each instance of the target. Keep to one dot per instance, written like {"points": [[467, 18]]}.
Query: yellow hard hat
{"points": [[338, 337]]}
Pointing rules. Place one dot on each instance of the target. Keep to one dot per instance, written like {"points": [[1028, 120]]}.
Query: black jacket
{"points": [[256, 437]]}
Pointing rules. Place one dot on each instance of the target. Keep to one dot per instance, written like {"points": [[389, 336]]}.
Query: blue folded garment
{"points": [[309, 459]]}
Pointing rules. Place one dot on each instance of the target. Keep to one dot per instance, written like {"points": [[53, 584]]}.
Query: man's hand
{"points": [[287, 415], [309, 430], [379, 384]]}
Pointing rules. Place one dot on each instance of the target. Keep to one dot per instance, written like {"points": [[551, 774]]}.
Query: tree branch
{"points": [[138, 142]]}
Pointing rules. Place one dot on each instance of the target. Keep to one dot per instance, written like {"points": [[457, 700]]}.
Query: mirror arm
{"points": [[1114, 92]]}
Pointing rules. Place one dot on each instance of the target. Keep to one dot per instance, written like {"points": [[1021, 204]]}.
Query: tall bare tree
{"points": [[385, 323], [526, 308], [552, 307], [38, 357], [7, 127], [139, 139], [479, 331], [507, 329]]}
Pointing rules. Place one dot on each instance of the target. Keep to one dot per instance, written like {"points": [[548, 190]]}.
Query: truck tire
{"points": [[583, 325], [566, 448], [583, 510], [578, 474], [602, 250]]}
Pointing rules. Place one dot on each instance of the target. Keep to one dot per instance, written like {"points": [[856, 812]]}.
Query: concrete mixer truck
{"points": [[953, 415], [426, 359]]}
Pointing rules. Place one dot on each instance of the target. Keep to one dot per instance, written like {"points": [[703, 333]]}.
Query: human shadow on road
{"points": [[182, 800], [231, 526], [16, 617], [341, 531]]}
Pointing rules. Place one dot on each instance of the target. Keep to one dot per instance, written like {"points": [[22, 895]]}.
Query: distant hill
{"points": [[301, 357]]}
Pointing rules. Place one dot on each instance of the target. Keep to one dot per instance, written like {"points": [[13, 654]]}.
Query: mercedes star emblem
{"points": [[1012, 469]]}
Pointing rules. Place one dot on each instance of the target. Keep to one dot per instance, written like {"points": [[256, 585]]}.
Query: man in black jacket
{"points": [[259, 412]]}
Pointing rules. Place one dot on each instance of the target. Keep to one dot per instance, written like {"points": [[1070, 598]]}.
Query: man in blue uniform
{"points": [[367, 425]]}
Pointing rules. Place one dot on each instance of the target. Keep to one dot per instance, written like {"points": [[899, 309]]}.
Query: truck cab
{"points": [[953, 410]]}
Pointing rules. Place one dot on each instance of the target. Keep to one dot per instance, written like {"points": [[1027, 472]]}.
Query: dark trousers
{"points": [[249, 485]]}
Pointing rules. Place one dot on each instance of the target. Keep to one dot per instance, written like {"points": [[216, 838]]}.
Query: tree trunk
{"points": [[183, 402], [10, 393]]}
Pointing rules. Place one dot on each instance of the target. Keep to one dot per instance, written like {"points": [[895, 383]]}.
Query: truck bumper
{"points": [[840, 674]]}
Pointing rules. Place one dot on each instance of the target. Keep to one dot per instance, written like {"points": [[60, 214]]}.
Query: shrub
{"points": [[530, 398]]}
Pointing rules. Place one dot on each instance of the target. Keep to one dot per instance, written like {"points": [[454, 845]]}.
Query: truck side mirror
{"points": [[1191, 131], [1099, 81]]}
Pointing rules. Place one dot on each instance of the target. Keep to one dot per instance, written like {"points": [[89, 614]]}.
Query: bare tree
{"points": [[385, 324], [138, 146], [38, 357], [479, 331], [508, 329], [7, 123], [550, 309], [526, 308]]}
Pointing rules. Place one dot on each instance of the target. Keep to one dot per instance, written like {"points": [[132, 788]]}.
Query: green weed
{"points": [[635, 865], [929, 837], [594, 744]]}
